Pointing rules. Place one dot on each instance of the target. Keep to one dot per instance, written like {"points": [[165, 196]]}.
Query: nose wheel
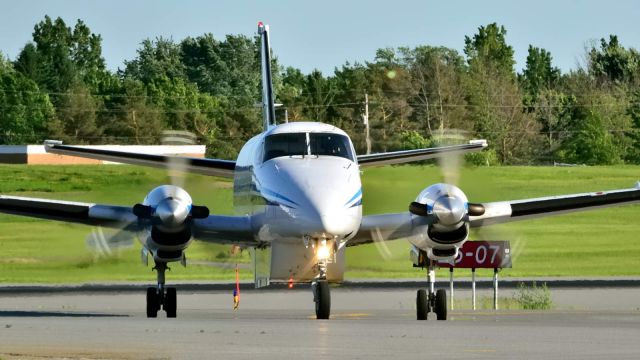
{"points": [[320, 286], [431, 301], [161, 297], [322, 298]]}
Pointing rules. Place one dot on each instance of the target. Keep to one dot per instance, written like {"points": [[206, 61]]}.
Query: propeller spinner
{"points": [[446, 203], [171, 205]]}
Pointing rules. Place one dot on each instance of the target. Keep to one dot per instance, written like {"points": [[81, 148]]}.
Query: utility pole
{"points": [[365, 121]]}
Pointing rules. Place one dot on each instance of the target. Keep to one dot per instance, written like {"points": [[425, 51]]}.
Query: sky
{"points": [[325, 34]]}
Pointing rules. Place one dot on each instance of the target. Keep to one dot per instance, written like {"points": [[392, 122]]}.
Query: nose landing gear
{"points": [[161, 297], [320, 286]]}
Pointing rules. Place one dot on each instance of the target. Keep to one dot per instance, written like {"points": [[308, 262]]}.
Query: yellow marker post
{"points": [[236, 291]]}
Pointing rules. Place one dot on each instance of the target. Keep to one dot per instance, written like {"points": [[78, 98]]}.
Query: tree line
{"points": [[59, 87]]}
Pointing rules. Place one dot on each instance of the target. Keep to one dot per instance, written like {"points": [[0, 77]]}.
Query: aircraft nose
{"points": [[336, 224], [325, 214]]}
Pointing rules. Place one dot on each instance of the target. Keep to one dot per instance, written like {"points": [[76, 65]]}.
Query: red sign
{"points": [[481, 254]]}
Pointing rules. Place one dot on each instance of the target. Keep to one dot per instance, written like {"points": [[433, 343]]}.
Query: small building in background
{"points": [[36, 155]]}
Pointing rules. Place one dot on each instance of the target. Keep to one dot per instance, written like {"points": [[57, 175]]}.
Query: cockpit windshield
{"points": [[285, 145], [330, 144], [302, 144]]}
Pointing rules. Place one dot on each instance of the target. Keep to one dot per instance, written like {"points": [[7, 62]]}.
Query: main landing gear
{"points": [[161, 297], [433, 301]]}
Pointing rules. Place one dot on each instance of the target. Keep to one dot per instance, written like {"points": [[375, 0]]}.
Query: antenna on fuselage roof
{"points": [[268, 106]]}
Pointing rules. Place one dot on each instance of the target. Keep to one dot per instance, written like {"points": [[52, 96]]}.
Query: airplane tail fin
{"points": [[268, 106]]}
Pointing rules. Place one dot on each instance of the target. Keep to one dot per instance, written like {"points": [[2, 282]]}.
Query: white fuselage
{"points": [[299, 196]]}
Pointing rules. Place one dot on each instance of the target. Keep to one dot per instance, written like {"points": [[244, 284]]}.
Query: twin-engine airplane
{"points": [[298, 202]]}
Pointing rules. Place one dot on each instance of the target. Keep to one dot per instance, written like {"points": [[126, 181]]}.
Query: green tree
{"points": [[591, 144], [351, 85], [230, 71], [290, 93], [608, 101], [60, 56], [133, 117], [223, 68], [28, 63], [183, 107], [389, 110], [489, 46], [413, 140], [24, 110], [76, 121], [437, 93], [156, 59], [612, 62], [633, 155], [495, 99], [554, 111], [52, 45], [539, 74], [318, 96], [86, 54]]}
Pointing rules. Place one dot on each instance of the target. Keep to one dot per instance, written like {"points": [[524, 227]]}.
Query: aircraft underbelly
{"points": [[284, 261]]}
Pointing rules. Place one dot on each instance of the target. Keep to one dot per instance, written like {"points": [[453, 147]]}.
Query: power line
{"points": [[421, 92]]}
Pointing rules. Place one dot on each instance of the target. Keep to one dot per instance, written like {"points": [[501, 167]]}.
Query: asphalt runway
{"points": [[279, 324]]}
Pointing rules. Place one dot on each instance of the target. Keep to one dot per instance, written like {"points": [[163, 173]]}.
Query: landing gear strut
{"points": [[161, 297], [433, 301]]}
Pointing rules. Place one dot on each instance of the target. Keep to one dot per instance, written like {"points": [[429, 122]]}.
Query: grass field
{"points": [[596, 243]]}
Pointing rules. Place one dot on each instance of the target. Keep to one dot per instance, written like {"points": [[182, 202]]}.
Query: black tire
{"points": [[422, 305], [441, 304], [323, 300], [171, 302], [153, 302]]}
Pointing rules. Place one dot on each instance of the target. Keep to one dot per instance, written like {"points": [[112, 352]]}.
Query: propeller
{"points": [[449, 209], [450, 163], [107, 242], [168, 212], [176, 165]]}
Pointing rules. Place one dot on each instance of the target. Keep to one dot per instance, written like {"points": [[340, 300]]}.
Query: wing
{"points": [[399, 157], [505, 211], [67, 211], [376, 228], [213, 167], [219, 229], [214, 229]]}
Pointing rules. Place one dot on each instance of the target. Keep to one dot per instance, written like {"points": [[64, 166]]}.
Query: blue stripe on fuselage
{"points": [[354, 197], [278, 196]]}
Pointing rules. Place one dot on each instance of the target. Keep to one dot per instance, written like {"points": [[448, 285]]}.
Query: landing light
{"points": [[323, 252]]}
